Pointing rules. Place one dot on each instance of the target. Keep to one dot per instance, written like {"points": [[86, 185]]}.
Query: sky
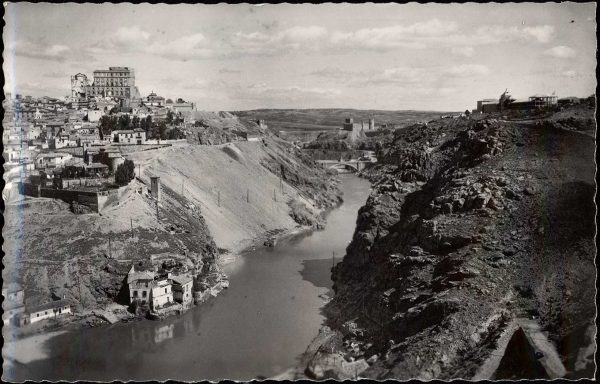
{"points": [[441, 57]]}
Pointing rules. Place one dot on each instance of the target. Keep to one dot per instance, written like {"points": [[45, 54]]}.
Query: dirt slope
{"points": [[237, 186]]}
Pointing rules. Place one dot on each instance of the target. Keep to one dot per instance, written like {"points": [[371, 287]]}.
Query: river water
{"points": [[258, 327]]}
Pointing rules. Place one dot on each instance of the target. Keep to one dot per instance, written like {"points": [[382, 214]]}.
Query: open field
{"points": [[325, 119]]}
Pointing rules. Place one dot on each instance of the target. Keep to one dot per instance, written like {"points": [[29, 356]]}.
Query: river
{"points": [[258, 327]]}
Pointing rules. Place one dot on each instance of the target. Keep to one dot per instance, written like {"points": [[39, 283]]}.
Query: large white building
{"points": [[162, 293], [182, 289], [129, 136], [48, 310]]}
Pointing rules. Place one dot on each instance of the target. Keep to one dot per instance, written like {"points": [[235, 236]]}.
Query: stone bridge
{"points": [[344, 165]]}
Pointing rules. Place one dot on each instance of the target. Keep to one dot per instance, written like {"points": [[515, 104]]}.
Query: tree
{"points": [[169, 117], [467, 113], [125, 173], [124, 122], [135, 122], [159, 131], [162, 130], [178, 118], [107, 124], [148, 126], [175, 133], [71, 171]]}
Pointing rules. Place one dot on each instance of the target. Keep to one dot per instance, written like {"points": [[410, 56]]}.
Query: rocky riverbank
{"points": [[471, 223]]}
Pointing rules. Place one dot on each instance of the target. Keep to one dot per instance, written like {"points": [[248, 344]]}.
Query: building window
{"points": [[135, 293], [165, 290], [144, 294]]}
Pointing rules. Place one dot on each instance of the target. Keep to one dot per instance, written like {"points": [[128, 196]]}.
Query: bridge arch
{"points": [[344, 166]]}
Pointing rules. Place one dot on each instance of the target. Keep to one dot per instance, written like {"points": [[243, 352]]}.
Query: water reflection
{"points": [[163, 333]]}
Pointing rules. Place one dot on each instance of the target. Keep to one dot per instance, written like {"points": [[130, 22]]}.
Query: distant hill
{"points": [[325, 119]]}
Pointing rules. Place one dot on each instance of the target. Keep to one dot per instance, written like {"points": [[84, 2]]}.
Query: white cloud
{"points": [[299, 37], [194, 46], [561, 51], [403, 75], [130, 36], [298, 34], [425, 34], [493, 34], [432, 91], [542, 33], [40, 50], [338, 74], [229, 71], [56, 75], [411, 36], [464, 51], [467, 70], [291, 92]]}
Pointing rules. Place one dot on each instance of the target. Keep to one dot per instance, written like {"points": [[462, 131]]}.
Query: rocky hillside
{"points": [[223, 196], [471, 222], [85, 257], [213, 128]]}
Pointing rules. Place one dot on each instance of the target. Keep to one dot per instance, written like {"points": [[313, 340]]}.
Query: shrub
{"points": [[125, 173]]}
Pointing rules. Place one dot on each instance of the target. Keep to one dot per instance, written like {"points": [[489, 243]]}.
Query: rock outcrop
{"points": [[470, 223]]}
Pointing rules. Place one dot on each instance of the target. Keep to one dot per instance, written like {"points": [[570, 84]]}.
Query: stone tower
{"points": [[155, 187]]}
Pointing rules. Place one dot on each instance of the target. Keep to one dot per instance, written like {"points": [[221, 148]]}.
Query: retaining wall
{"points": [[97, 201]]}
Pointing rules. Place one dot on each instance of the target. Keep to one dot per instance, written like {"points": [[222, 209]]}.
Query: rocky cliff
{"points": [[471, 222]]}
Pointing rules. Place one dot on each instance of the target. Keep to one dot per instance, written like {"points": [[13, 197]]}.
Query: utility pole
{"points": [[247, 195], [79, 281], [131, 219]]}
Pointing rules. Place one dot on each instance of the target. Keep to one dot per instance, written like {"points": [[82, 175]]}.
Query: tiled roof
{"points": [[145, 275], [53, 154], [182, 279], [95, 166]]}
